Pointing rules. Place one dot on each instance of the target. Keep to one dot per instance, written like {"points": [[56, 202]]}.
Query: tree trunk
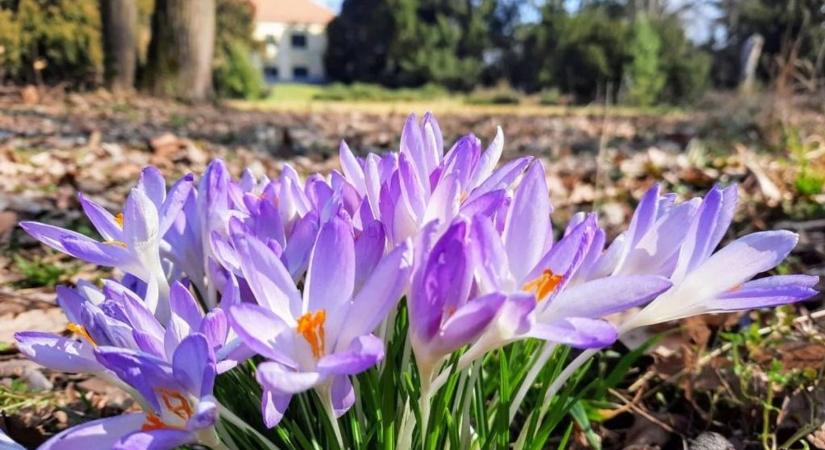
{"points": [[180, 52], [119, 18]]}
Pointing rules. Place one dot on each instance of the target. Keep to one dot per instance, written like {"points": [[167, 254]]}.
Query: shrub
{"points": [[236, 76]]}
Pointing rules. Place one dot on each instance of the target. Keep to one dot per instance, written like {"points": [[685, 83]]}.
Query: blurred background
{"points": [[613, 95]]}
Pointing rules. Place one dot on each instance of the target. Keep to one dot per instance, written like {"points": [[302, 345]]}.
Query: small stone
{"points": [[711, 441]]}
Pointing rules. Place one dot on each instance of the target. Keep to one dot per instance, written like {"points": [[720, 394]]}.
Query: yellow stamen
{"points": [[116, 243], [311, 327], [544, 285], [176, 402], [81, 331], [119, 219]]}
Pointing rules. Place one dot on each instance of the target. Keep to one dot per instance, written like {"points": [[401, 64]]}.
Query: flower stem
{"points": [[563, 377], [326, 401], [546, 352], [230, 417]]}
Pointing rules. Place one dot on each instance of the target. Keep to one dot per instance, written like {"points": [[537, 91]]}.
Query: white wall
{"points": [[285, 57]]}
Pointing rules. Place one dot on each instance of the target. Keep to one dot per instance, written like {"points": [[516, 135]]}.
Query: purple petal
{"points": [[528, 223], [162, 439], [97, 434], [765, 292], [343, 395], [380, 293], [173, 204], [259, 329], [277, 378], [152, 184], [57, 352], [107, 255], [215, 327], [267, 277], [598, 298], [143, 372], [103, 221], [193, 364], [140, 220], [363, 353], [369, 248], [445, 283], [331, 273], [490, 259], [299, 245], [352, 170], [470, 320], [738, 262], [184, 305], [273, 407], [488, 159], [576, 332]]}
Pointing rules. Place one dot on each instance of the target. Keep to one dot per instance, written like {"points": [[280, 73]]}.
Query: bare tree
{"points": [[180, 51], [119, 18]]}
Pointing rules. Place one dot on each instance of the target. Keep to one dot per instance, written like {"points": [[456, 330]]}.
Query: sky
{"points": [[698, 19]]}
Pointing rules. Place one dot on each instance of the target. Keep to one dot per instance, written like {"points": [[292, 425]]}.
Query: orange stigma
{"points": [[119, 219], [81, 331], [153, 422], [311, 327], [175, 401], [544, 285]]}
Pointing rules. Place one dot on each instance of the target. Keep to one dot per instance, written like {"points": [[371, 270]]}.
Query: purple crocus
{"points": [[444, 313], [708, 282], [179, 408], [421, 184], [318, 339], [132, 239]]}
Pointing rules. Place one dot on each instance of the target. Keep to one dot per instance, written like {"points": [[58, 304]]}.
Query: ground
{"points": [[754, 378]]}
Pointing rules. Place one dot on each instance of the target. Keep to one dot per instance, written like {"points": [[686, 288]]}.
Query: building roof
{"points": [[292, 11]]}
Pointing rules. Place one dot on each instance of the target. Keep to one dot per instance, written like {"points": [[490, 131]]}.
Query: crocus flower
{"points": [[132, 239], [423, 185], [179, 408], [444, 315], [318, 339], [707, 282], [544, 303]]}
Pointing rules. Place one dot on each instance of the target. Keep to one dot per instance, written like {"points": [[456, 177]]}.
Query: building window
{"points": [[299, 40], [271, 73], [300, 72]]}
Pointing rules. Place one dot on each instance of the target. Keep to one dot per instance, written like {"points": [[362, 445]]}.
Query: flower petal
{"points": [[576, 332], [260, 329], [331, 273], [97, 434], [528, 222], [277, 378], [57, 352], [364, 352]]}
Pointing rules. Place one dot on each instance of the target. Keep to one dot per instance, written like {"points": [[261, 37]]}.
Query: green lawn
{"points": [[376, 99]]}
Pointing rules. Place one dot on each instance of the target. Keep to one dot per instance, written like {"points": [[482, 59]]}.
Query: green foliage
{"points": [[363, 92], [686, 67], [51, 41], [234, 74], [38, 273], [784, 25], [645, 74], [503, 94], [408, 43]]}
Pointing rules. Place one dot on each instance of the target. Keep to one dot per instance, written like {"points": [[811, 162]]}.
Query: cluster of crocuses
{"points": [[305, 273]]}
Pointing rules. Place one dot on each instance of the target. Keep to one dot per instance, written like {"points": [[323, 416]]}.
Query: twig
{"points": [[643, 413]]}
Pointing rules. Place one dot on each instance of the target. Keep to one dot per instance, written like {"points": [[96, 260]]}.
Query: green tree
{"points": [[644, 73], [234, 74]]}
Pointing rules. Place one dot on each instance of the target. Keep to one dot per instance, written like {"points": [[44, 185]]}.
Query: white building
{"points": [[293, 36]]}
